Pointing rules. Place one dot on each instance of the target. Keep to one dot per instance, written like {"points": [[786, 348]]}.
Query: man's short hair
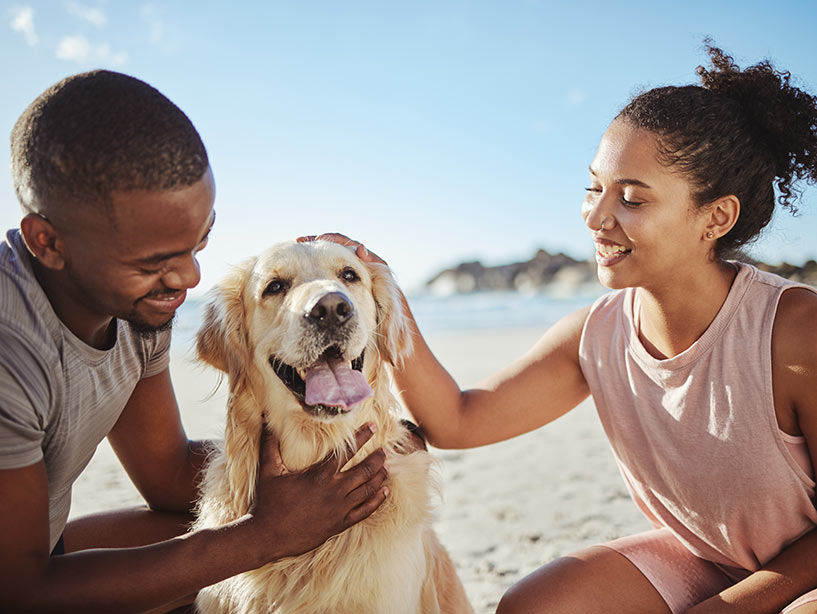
{"points": [[98, 132]]}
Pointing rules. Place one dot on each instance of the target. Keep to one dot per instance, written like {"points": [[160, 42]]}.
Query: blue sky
{"points": [[434, 131]]}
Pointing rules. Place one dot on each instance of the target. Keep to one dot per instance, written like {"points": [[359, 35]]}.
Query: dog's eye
{"points": [[276, 286], [349, 274]]}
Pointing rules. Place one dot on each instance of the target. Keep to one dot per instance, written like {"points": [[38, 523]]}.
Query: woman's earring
{"points": [[710, 234]]}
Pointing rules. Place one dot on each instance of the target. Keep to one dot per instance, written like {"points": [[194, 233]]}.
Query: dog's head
{"points": [[312, 321]]}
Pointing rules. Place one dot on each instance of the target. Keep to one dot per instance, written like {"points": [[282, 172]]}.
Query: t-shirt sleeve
{"points": [[159, 356], [25, 394]]}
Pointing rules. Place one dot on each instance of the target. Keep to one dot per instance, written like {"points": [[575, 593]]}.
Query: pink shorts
{"points": [[681, 578]]}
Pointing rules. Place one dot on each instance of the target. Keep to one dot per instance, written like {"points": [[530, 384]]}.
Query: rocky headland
{"points": [[561, 274]]}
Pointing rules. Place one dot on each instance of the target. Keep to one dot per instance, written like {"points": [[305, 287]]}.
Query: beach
{"points": [[506, 509]]}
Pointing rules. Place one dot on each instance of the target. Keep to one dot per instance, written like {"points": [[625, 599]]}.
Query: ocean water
{"points": [[435, 313]]}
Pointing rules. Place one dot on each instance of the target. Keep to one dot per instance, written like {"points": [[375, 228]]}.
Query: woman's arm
{"points": [[794, 376], [539, 387], [789, 575]]}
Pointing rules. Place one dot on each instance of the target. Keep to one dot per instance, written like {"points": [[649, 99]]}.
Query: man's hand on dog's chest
{"points": [[296, 512]]}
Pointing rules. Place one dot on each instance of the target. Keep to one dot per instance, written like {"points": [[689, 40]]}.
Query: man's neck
{"points": [[93, 329]]}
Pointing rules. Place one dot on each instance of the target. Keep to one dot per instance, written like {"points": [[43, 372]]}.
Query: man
{"points": [[117, 197]]}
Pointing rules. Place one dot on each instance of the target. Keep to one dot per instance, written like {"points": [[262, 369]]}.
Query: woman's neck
{"points": [[672, 317]]}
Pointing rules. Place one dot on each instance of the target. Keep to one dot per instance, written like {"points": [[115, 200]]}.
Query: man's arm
{"points": [[293, 513], [151, 444], [165, 468], [95, 580]]}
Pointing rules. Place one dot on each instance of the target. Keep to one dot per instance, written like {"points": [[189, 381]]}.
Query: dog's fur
{"points": [[390, 563]]}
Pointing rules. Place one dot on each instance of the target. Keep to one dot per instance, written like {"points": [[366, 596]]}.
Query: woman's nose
{"points": [[597, 214]]}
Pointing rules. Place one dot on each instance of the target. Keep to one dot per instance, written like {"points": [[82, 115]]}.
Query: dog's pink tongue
{"points": [[334, 383]]}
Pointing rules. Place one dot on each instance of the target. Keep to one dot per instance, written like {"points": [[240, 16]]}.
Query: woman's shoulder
{"points": [[793, 305], [609, 319], [794, 361], [794, 324], [612, 300], [610, 307]]}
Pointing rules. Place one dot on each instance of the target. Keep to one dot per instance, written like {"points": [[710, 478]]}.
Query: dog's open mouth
{"points": [[329, 387]]}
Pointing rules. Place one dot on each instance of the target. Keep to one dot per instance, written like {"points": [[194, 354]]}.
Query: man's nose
{"points": [[185, 274]]}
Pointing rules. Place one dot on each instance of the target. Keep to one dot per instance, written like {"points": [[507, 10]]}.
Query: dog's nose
{"points": [[331, 310]]}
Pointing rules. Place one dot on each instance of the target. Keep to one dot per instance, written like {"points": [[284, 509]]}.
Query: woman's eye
{"points": [[630, 203], [592, 189], [349, 275], [276, 286]]}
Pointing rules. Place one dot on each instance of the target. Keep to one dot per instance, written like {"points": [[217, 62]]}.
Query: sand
{"points": [[507, 508]]}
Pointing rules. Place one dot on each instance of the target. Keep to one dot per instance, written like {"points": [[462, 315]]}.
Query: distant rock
{"points": [[545, 271], [804, 274], [562, 275]]}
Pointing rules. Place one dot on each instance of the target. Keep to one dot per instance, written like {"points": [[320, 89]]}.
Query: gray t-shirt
{"points": [[59, 397]]}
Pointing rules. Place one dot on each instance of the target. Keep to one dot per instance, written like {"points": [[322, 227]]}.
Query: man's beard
{"points": [[146, 331]]}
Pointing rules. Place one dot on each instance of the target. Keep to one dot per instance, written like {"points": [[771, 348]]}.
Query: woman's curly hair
{"points": [[740, 132]]}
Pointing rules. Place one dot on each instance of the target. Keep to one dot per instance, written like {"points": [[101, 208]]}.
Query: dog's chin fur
{"points": [[390, 563]]}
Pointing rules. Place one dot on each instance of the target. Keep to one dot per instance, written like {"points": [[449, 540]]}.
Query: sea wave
{"points": [[436, 314]]}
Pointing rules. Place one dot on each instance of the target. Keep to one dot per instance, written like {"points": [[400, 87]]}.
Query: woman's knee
{"points": [[514, 601], [808, 608], [556, 586], [587, 581]]}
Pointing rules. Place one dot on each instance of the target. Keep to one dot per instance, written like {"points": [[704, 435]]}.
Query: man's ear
{"points": [[722, 216], [43, 241]]}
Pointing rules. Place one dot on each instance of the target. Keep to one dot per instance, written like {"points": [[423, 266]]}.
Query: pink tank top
{"points": [[696, 436]]}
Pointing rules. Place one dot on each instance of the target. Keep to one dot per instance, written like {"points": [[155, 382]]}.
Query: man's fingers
{"points": [[271, 462], [364, 510], [362, 435], [368, 489], [364, 471]]}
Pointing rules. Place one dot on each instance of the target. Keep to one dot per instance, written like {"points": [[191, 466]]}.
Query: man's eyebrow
{"points": [[156, 258], [635, 182]]}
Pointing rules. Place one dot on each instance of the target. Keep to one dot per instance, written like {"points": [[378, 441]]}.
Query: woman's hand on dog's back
{"points": [[294, 513]]}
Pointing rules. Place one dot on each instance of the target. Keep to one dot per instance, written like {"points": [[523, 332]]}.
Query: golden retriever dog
{"points": [[307, 333]]}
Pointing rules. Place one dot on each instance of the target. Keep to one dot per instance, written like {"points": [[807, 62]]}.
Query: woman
{"points": [[703, 370]]}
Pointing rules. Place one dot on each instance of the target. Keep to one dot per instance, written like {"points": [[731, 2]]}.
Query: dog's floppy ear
{"points": [[222, 339], [223, 342], [393, 332]]}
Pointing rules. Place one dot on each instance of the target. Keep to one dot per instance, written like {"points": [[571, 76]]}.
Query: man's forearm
{"points": [[179, 493], [137, 579]]}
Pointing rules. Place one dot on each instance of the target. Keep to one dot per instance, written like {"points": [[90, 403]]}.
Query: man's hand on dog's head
{"points": [[294, 513], [360, 250]]}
